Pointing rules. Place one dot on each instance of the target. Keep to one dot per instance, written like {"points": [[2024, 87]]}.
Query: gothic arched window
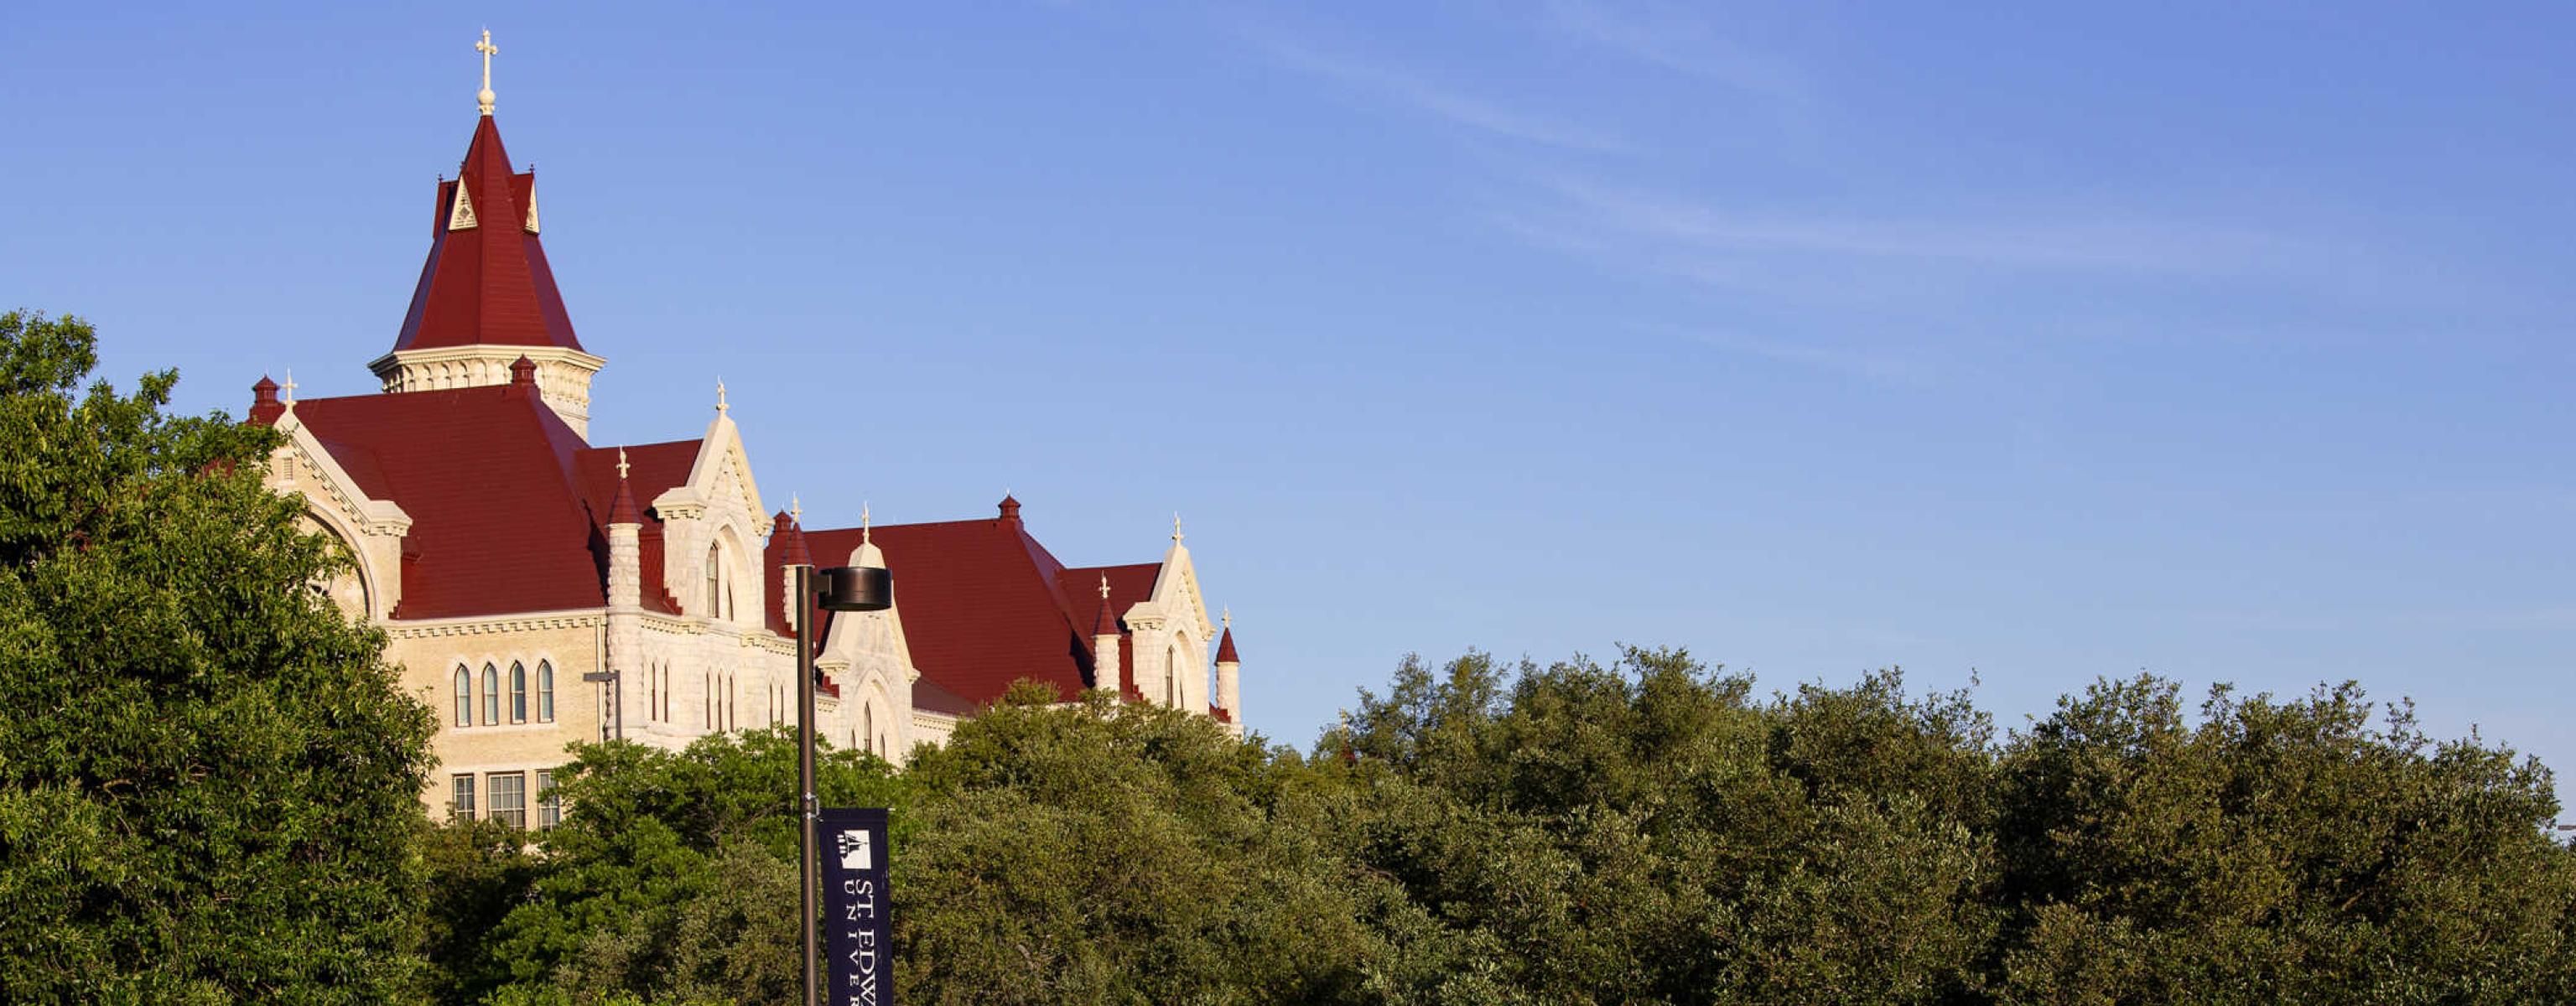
{"points": [[545, 691], [868, 723], [491, 695], [715, 581], [652, 692], [464, 696], [1171, 676], [518, 692]]}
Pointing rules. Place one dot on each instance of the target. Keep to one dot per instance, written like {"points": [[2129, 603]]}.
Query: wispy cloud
{"points": [[1422, 95], [2097, 242], [1677, 41], [1869, 365]]}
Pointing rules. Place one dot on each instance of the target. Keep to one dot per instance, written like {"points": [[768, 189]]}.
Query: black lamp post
{"points": [[842, 588]]}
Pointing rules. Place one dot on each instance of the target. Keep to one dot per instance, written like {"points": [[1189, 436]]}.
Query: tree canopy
{"points": [[209, 783], [1648, 831]]}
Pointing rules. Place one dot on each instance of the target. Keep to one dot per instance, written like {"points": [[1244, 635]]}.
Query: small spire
{"points": [[1107, 623], [1176, 527], [721, 407], [623, 510], [863, 522], [484, 96], [1010, 508]]}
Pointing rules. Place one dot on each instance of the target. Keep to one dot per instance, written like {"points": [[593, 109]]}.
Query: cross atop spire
{"points": [[795, 509], [1226, 616], [863, 522], [1104, 586], [621, 464], [721, 407], [484, 96], [288, 387], [1176, 527]]}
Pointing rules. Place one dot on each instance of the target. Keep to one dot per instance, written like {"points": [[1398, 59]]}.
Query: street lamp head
{"points": [[856, 588]]}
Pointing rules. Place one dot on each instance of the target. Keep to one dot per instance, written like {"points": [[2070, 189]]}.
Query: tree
{"points": [[671, 880], [209, 781]]}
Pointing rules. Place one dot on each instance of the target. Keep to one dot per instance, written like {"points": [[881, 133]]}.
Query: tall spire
{"points": [[486, 294], [484, 96]]}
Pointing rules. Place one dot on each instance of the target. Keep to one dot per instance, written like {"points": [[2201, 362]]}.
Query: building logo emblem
{"points": [[855, 853]]}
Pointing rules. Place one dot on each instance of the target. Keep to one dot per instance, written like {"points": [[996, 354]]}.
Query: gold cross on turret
{"points": [[484, 96]]}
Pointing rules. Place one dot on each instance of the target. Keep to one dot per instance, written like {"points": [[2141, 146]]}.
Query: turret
{"points": [[625, 598], [1229, 675], [1104, 646]]}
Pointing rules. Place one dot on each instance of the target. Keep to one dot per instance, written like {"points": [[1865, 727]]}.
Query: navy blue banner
{"points": [[858, 931]]}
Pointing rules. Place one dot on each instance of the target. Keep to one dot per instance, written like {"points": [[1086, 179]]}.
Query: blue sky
{"points": [[2031, 345]]}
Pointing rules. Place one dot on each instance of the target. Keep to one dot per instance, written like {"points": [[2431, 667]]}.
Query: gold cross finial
{"points": [[863, 522], [289, 386], [1104, 586], [1226, 615], [795, 509], [721, 407], [1176, 527], [484, 96], [621, 464]]}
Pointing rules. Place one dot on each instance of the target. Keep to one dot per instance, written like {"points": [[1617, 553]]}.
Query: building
{"points": [[539, 589]]}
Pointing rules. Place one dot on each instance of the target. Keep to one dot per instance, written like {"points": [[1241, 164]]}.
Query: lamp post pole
{"points": [[840, 588], [806, 867]]}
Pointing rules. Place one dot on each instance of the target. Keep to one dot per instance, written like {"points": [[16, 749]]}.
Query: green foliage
{"points": [[673, 880], [209, 782], [1649, 831]]}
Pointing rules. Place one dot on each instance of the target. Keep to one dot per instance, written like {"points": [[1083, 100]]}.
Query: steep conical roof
{"points": [[486, 281]]}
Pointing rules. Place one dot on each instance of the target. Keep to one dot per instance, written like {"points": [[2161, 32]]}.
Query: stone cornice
{"points": [[431, 628]]}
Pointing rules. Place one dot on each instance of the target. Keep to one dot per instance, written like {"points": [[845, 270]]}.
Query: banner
{"points": [[858, 935]]}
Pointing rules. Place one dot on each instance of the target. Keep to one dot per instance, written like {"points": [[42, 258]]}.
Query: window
{"points": [[491, 695], [510, 799], [464, 696], [461, 805], [545, 691], [715, 579], [666, 693], [707, 683], [518, 692], [653, 693], [549, 802], [867, 723], [1171, 676]]}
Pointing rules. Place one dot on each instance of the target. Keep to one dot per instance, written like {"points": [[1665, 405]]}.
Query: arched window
{"points": [[491, 695], [464, 696], [1171, 676], [518, 692], [707, 682], [715, 580], [666, 693], [545, 691], [652, 692], [868, 723]]}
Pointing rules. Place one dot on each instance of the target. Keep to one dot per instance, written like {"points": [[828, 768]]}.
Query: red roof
{"points": [[487, 284], [509, 508], [1225, 648], [984, 605]]}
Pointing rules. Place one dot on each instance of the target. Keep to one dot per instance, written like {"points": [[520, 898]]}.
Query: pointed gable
{"points": [[486, 281], [984, 604]]}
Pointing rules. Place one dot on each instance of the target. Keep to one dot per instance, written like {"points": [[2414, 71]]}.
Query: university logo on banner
{"points": [[857, 930]]}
